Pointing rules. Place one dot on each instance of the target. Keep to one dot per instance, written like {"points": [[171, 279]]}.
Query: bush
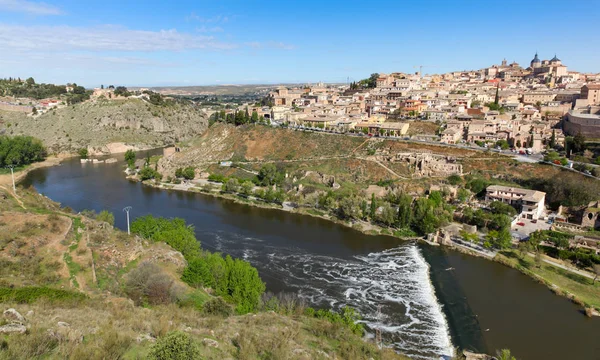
{"points": [[189, 173], [148, 173], [107, 217], [149, 284], [217, 306], [176, 345], [175, 232], [83, 153], [217, 178]]}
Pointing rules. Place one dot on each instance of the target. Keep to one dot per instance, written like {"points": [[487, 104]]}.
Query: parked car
{"points": [[521, 223]]}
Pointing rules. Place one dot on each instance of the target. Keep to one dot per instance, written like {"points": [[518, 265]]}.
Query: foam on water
{"points": [[391, 289]]}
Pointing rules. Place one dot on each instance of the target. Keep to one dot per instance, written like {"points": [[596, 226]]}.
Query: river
{"points": [[425, 300]]}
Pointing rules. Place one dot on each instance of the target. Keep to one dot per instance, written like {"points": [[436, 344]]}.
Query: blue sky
{"points": [[180, 42]]}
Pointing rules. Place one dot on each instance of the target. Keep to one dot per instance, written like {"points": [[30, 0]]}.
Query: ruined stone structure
{"points": [[590, 215], [427, 165]]}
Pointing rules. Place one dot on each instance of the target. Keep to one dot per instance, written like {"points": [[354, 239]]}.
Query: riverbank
{"points": [[557, 287], [560, 281]]}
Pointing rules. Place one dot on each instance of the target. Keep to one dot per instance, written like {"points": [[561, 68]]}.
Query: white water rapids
{"points": [[391, 289]]}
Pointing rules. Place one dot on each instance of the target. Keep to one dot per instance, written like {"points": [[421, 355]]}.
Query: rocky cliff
{"points": [[108, 126]]}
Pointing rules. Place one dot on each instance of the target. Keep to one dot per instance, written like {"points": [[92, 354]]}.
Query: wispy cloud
{"points": [[103, 38], [206, 29], [29, 7], [209, 20], [269, 44]]}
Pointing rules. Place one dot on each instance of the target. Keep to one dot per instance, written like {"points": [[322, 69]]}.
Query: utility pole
{"points": [[127, 209], [12, 174]]}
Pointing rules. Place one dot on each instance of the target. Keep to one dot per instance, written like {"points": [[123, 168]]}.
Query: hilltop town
{"points": [[506, 105]]}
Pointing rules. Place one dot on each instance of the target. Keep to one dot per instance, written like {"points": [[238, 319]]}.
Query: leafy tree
{"points": [[499, 239], [436, 198], [463, 195], [404, 210], [247, 187], [553, 139], [350, 208], [454, 179], [106, 216], [254, 117], [20, 150], [373, 211], [232, 185], [130, 158], [268, 175], [189, 173], [388, 214], [499, 207], [148, 173]]}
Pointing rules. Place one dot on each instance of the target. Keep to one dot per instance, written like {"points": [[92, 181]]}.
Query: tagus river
{"points": [[425, 300]]}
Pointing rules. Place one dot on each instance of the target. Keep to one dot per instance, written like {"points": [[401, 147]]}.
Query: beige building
{"points": [[591, 93], [452, 135], [533, 97]]}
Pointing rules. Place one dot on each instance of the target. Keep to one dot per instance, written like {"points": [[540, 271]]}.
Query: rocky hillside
{"points": [[95, 124]]}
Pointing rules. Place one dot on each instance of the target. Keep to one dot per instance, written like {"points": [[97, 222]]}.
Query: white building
{"points": [[531, 202]]}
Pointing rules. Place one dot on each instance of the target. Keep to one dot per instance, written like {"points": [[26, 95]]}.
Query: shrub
{"points": [[149, 284], [176, 345], [83, 153], [106, 216], [189, 173], [217, 306]]}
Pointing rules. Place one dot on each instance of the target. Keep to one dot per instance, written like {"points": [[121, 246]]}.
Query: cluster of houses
{"points": [[524, 106]]}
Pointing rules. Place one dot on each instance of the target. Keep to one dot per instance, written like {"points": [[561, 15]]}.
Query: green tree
{"points": [[130, 158], [254, 117], [387, 215], [148, 173], [374, 206], [232, 185], [189, 173], [106, 216], [404, 210], [350, 208], [247, 187], [268, 175]]}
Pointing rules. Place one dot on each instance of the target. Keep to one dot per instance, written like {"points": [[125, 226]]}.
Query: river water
{"points": [[425, 300]]}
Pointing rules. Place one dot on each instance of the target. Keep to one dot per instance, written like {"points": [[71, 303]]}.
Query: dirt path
{"points": [[383, 166]]}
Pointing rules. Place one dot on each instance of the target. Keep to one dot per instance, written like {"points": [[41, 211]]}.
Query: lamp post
{"points": [[127, 209]]}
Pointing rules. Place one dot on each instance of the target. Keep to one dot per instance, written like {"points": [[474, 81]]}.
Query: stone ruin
{"points": [[426, 164]]}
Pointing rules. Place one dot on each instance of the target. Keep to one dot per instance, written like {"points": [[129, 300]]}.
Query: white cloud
{"points": [[269, 44], [103, 38], [205, 29], [30, 7], [215, 19]]}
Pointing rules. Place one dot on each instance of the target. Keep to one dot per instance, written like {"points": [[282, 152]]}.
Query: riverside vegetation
{"points": [[80, 289]]}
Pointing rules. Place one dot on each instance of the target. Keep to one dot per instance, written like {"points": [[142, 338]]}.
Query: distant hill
{"points": [[98, 123]]}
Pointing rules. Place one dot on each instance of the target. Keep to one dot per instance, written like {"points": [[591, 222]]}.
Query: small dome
{"points": [[536, 59], [555, 58]]}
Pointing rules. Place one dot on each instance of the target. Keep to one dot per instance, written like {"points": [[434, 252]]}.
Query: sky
{"points": [[185, 43]]}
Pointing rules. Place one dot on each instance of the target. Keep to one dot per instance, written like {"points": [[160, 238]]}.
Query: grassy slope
{"points": [[41, 246], [98, 123]]}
